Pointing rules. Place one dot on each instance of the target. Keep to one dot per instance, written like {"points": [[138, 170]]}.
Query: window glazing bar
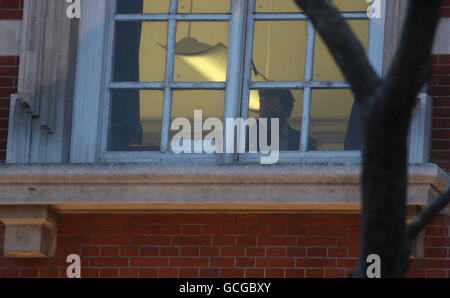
{"points": [[172, 85], [248, 59], [235, 66], [301, 85], [170, 61], [302, 16], [177, 17], [106, 100], [309, 69]]}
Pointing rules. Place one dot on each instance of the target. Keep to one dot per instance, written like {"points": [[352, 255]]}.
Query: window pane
{"points": [[330, 125], [325, 69], [143, 6], [136, 117], [284, 104], [184, 104], [352, 5], [278, 6], [279, 50], [268, 6], [201, 52], [203, 6], [139, 53]]}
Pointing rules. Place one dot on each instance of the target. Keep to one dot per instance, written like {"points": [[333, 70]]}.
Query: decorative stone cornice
{"points": [[30, 231]]}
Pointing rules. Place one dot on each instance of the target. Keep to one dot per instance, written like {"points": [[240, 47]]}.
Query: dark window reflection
{"points": [[126, 129], [142, 6], [129, 6], [136, 127]]}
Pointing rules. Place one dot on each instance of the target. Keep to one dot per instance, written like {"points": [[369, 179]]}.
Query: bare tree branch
{"points": [[427, 214], [387, 107], [347, 50], [384, 176]]}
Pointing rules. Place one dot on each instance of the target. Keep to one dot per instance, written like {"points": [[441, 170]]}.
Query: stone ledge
{"points": [[30, 195], [143, 188], [188, 173]]}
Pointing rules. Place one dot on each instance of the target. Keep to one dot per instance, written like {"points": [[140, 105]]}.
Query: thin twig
{"points": [[427, 214]]}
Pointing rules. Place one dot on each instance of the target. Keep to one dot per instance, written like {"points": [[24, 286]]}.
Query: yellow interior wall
{"points": [[325, 69], [156, 6], [279, 49], [266, 6], [204, 6]]}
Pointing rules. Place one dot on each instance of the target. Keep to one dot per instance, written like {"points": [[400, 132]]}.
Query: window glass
{"points": [[278, 6], [351, 5], [136, 116], [330, 115], [139, 55], [325, 69], [279, 50], [186, 102], [201, 55], [284, 104], [136, 120], [201, 52], [269, 6], [143, 6]]}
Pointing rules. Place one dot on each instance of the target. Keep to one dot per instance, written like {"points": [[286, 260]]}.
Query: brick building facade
{"points": [[219, 245], [223, 244]]}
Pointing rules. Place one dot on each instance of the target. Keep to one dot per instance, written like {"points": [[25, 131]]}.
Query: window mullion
{"points": [[106, 100], [89, 82], [170, 62], [179, 17], [376, 40], [309, 69], [248, 59], [235, 68]]}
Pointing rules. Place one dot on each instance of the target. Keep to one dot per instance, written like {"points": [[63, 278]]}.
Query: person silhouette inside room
{"points": [[279, 103]]}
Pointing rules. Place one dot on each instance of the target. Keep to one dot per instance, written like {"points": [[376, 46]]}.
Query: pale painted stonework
{"points": [[9, 36], [442, 43]]}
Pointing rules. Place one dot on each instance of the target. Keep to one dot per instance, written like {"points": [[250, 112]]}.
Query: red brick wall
{"points": [[9, 68], [11, 9], [439, 89], [217, 245], [446, 9]]}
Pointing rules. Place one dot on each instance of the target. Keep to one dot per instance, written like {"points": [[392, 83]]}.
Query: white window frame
{"points": [[90, 117]]}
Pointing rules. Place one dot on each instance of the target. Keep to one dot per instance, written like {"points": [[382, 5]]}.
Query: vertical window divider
{"points": [[170, 62], [235, 69], [248, 59], [105, 100], [89, 82], [307, 92]]}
